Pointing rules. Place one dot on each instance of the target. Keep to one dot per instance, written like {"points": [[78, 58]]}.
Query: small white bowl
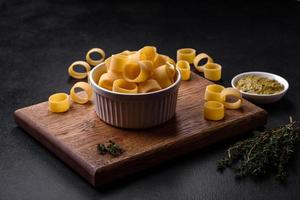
{"points": [[262, 98]]}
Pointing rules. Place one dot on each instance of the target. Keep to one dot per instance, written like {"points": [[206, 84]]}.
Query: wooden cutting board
{"points": [[73, 136]]}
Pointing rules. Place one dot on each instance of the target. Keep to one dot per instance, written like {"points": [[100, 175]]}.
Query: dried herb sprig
{"points": [[111, 148], [266, 152]]}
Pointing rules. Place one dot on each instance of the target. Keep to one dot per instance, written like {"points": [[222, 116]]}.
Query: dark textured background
{"points": [[39, 39]]}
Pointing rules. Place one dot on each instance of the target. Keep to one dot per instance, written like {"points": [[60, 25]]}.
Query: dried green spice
{"points": [[266, 152], [111, 148], [259, 85]]}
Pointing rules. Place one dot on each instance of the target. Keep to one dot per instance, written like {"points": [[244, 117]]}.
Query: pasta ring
{"points": [[123, 86], [198, 58], [117, 62], [148, 53], [79, 75], [107, 63], [213, 92], [106, 81], [184, 68], [95, 62], [214, 110], [136, 72], [187, 54], [150, 85], [59, 102], [212, 71], [87, 89], [231, 92], [164, 75], [160, 60]]}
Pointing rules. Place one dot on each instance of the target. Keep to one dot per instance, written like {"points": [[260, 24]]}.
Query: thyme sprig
{"points": [[111, 148], [263, 153]]}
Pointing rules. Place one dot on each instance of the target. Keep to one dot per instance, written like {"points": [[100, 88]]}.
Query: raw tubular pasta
{"points": [[184, 68], [164, 75], [197, 60], [150, 85], [59, 102], [213, 110], [148, 53], [187, 54], [213, 92], [117, 63], [212, 71], [107, 63], [231, 92], [160, 60], [95, 62], [123, 86], [79, 75], [106, 81], [136, 72], [170, 60], [86, 88]]}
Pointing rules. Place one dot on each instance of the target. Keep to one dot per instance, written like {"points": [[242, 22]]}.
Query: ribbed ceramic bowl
{"points": [[134, 111]]}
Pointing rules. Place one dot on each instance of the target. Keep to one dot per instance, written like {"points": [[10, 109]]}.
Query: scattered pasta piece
{"points": [[123, 86], [212, 71], [227, 92], [95, 62], [79, 75], [213, 110], [187, 54], [80, 99], [150, 85], [200, 57], [213, 92], [184, 68], [59, 102]]}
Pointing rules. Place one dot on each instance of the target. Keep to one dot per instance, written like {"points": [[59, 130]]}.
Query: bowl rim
{"points": [[131, 94], [284, 82]]}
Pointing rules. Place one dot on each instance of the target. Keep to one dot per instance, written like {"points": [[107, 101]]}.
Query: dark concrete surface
{"points": [[39, 39]]}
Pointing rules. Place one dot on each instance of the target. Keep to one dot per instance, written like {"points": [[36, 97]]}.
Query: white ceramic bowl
{"points": [[135, 111], [262, 98]]}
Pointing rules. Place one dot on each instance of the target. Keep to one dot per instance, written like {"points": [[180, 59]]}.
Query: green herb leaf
{"points": [[265, 152]]}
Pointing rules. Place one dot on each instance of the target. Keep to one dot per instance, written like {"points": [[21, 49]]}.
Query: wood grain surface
{"points": [[73, 136]]}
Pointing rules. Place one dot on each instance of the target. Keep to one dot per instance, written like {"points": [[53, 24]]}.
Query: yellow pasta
{"points": [[150, 85], [148, 53], [213, 92], [106, 81], [59, 102], [136, 72], [79, 75], [187, 54], [123, 86], [160, 60], [92, 61], [184, 68], [234, 93], [107, 63], [81, 99], [164, 75], [200, 57], [213, 110], [212, 71], [117, 63]]}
